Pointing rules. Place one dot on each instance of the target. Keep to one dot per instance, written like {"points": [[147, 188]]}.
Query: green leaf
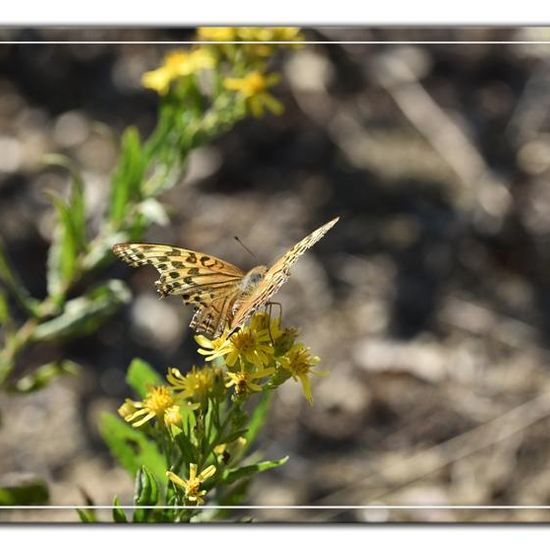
{"points": [[78, 210], [84, 314], [86, 516], [126, 181], [146, 490], [62, 256], [141, 375], [145, 494], [258, 418], [23, 489], [234, 474], [4, 309], [131, 447], [235, 435], [118, 513], [186, 447], [43, 375], [13, 283], [76, 202]]}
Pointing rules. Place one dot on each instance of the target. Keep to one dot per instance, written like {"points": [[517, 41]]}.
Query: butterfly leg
{"points": [[269, 310]]}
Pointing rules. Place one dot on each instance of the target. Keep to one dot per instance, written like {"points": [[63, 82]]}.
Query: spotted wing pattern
{"points": [[209, 284], [276, 276]]}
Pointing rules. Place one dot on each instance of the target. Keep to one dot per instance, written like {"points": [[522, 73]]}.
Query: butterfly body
{"points": [[252, 278], [221, 293]]}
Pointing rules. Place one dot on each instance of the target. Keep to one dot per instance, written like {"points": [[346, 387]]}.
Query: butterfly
{"points": [[221, 293]]}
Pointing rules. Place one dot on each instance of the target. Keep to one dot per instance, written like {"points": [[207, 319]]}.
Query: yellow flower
{"points": [[155, 404], [212, 349], [243, 379], [253, 88], [196, 385], [249, 34], [263, 322], [259, 35], [158, 80], [249, 344], [192, 485], [178, 63], [158, 401], [128, 408], [221, 34], [172, 416], [287, 34], [298, 362]]}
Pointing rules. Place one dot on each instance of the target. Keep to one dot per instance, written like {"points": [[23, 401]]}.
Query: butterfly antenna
{"points": [[244, 246]]}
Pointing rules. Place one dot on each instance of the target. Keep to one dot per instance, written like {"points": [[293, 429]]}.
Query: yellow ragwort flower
{"points": [[250, 345], [155, 404], [158, 80], [219, 34], [298, 361], [195, 385], [172, 416], [212, 349], [260, 34], [178, 63], [128, 408], [264, 322], [158, 402], [244, 379], [270, 34], [253, 88], [192, 485]]}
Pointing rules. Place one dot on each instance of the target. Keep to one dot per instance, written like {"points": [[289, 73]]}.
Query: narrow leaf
{"points": [[4, 309], [258, 418], [62, 257], [146, 489], [43, 376], [13, 283], [126, 181], [232, 475], [76, 202], [86, 516], [85, 313], [119, 515]]}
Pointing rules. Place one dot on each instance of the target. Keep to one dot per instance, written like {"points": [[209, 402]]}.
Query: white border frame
{"points": [[305, 42]]}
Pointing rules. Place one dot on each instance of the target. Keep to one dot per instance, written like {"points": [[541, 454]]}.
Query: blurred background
{"points": [[429, 302]]}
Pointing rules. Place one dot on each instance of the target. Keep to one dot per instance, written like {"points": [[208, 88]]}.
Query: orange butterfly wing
{"points": [[204, 281], [276, 276]]}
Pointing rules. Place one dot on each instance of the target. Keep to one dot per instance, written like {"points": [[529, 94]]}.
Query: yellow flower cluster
{"points": [[250, 34], [258, 357], [261, 355], [240, 65], [166, 403], [253, 89], [178, 63], [191, 486]]}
